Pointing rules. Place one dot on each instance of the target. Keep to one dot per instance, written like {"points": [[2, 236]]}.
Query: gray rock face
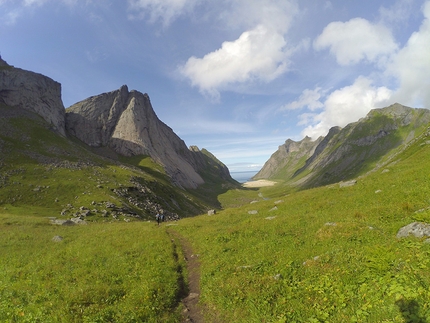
{"points": [[289, 155], [126, 122], [33, 92], [417, 229]]}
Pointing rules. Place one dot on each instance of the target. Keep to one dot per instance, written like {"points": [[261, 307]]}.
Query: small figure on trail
{"points": [[158, 218]]}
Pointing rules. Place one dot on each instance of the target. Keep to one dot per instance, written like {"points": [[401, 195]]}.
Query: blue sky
{"points": [[237, 77]]}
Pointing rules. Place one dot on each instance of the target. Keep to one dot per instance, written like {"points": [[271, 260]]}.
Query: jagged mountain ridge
{"points": [[125, 121], [346, 152], [121, 120]]}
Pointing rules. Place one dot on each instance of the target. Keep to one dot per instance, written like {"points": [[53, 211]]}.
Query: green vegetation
{"points": [[41, 169], [273, 254], [328, 254], [98, 273]]}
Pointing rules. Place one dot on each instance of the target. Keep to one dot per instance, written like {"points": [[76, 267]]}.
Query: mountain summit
{"points": [[121, 122], [125, 122], [348, 152], [33, 92]]}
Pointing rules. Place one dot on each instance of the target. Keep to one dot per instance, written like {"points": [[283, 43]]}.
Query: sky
{"points": [[236, 77]]}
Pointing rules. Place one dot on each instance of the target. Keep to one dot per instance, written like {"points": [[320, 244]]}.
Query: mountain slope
{"points": [[33, 92], [126, 122], [46, 173], [116, 158], [349, 152]]}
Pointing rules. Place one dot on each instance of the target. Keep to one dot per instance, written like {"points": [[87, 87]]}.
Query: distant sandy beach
{"points": [[259, 183]]}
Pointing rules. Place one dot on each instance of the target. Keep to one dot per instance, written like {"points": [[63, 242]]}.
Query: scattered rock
{"points": [[253, 212], [57, 239], [417, 229], [79, 221], [273, 209], [270, 218], [330, 224], [62, 222], [347, 184], [378, 191], [211, 212], [279, 201]]}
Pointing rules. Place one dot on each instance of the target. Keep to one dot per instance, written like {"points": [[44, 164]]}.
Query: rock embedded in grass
{"points": [[417, 229]]}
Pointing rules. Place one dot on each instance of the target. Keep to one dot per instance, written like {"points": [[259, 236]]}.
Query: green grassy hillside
{"points": [[326, 254], [42, 171]]}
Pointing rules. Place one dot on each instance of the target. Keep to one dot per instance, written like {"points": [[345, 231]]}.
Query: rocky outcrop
{"points": [[349, 152], [33, 92], [126, 122], [289, 158]]}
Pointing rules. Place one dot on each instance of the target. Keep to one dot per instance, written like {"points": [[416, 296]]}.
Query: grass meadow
{"points": [[327, 254], [121, 272]]}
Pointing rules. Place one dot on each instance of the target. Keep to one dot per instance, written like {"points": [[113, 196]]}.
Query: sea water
{"points": [[243, 177]]}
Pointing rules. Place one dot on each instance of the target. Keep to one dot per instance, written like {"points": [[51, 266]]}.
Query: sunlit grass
{"points": [[97, 273], [328, 254]]}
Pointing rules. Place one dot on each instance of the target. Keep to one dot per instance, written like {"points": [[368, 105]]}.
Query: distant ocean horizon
{"points": [[243, 177]]}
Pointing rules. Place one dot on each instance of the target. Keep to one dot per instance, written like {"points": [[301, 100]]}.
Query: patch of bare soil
{"points": [[192, 310]]}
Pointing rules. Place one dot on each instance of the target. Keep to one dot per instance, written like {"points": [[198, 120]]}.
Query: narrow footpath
{"points": [[192, 311]]}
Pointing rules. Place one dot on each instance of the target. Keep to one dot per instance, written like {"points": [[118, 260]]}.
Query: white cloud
{"points": [[356, 40], [398, 11], [246, 14], [346, 105], [309, 99], [259, 54], [20, 8], [411, 66], [164, 10]]}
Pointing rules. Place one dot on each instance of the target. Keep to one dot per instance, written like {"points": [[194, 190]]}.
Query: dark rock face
{"points": [[126, 122], [33, 92]]}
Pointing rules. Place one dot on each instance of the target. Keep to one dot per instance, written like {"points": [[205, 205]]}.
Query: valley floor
{"points": [[258, 183]]}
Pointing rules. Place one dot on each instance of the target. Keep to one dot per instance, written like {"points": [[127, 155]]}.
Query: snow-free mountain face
{"points": [[125, 121], [348, 152], [122, 121], [32, 92]]}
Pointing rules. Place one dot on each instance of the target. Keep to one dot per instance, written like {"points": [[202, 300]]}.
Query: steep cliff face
{"points": [[33, 92], [346, 153], [126, 122], [289, 157]]}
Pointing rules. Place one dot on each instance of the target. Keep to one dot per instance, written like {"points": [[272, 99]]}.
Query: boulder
{"points": [[416, 229]]}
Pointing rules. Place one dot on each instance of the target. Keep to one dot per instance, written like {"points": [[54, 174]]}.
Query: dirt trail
{"points": [[192, 312]]}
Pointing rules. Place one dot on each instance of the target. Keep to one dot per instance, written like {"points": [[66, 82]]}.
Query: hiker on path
{"points": [[158, 218]]}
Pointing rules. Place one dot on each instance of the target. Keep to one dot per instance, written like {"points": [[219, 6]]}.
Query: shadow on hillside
{"points": [[410, 311]]}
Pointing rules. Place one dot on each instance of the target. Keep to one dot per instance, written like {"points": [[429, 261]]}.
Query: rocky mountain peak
{"points": [[3, 62], [126, 122], [33, 92]]}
